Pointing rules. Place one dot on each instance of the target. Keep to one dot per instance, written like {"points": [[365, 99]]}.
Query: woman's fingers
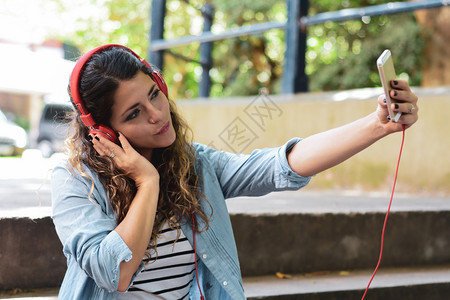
{"points": [[126, 146], [382, 100], [400, 84], [406, 99], [382, 109], [403, 96], [407, 107], [105, 147], [127, 159], [406, 102]]}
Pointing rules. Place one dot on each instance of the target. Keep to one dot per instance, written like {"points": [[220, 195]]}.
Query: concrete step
{"points": [[408, 283], [288, 232], [298, 232]]}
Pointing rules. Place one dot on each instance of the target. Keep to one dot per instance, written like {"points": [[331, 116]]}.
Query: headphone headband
{"points": [[85, 116]]}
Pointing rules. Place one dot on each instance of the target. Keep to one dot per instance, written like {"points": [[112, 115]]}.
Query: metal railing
{"points": [[294, 79]]}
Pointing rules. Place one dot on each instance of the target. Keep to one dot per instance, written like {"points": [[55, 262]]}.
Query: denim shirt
{"points": [[94, 250]]}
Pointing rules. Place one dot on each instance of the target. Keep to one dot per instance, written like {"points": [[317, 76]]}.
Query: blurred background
{"points": [[330, 226], [41, 39]]}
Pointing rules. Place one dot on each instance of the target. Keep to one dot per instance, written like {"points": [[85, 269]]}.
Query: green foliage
{"points": [[23, 122], [342, 55], [339, 55], [123, 22], [241, 66]]}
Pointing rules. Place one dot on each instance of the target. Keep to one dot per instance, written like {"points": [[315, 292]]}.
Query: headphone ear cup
{"points": [[105, 132]]}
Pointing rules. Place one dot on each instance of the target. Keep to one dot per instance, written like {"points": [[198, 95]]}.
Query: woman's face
{"points": [[141, 113]]}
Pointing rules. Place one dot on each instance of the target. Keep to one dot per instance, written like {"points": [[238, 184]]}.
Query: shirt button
{"points": [[225, 283], [204, 256]]}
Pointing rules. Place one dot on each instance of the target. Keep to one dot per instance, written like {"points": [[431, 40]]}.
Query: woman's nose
{"points": [[154, 114]]}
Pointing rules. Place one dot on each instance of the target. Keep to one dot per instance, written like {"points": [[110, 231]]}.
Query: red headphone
{"points": [[85, 116]]}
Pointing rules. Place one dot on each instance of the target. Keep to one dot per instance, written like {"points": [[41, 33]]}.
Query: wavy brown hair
{"points": [[179, 183]]}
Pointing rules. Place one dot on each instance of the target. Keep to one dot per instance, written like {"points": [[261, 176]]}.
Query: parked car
{"points": [[13, 138], [53, 128]]}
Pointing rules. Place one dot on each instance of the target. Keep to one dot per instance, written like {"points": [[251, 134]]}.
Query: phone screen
{"points": [[386, 69]]}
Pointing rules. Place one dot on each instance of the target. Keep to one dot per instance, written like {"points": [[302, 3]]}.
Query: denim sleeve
{"points": [[85, 226], [261, 172]]}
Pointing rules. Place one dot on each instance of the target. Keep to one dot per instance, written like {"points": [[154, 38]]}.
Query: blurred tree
{"points": [[108, 21], [342, 55], [245, 65], [241, 66], [436, 55], [339, 55]]}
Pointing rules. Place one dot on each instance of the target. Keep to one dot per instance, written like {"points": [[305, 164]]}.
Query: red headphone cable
{"points": [[195, 253], [387, 215]]}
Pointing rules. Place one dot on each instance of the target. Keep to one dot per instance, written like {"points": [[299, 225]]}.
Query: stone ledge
{"points": [[30, 254], [288, 243]]}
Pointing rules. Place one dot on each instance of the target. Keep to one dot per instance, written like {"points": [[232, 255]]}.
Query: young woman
{"points": [[140, 209]]}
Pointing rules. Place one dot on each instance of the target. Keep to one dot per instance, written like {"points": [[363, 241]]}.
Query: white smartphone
{"points": [[386, 69]]}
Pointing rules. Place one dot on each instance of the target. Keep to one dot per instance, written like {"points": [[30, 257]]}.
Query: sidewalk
{"points": [[335, 202], [37, 294]]}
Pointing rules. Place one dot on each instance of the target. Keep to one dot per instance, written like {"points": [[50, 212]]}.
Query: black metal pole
{"points": [[206, 52], [157, 15], [294, 79]]}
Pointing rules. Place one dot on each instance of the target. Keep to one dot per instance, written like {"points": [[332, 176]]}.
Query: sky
{"points": [[25, 22]]}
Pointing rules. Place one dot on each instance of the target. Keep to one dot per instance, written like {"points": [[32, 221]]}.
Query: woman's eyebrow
{"points": [[152, 89]]}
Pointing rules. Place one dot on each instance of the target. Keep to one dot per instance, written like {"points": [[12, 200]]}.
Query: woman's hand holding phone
{"points": [[398, 104], [405, 103]]}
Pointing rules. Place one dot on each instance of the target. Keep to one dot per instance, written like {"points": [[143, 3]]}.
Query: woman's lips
{"points": [[164, 129]]}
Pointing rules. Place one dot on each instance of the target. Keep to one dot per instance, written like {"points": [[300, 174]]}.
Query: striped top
{"points": [[169, 276]]}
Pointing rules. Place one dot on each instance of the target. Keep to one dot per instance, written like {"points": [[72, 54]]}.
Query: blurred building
{"points": [[30, 75]]}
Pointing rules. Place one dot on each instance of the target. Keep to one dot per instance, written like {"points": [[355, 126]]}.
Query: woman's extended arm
{"points": [[327, 149], [136, 228]]}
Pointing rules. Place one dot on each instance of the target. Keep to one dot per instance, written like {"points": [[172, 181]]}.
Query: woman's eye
{"points": [[133, 114], [155, 94]]}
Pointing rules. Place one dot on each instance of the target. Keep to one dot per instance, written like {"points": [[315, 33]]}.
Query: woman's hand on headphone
{"points": [[127, 159]]}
